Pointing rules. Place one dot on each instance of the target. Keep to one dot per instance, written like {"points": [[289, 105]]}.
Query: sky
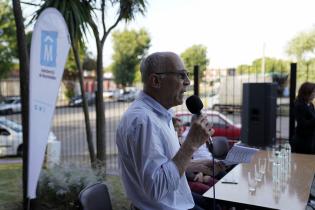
{"points": [[234, 31]]}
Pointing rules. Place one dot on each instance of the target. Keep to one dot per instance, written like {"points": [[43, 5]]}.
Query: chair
{"points": [[220, 147], [95, 197]]}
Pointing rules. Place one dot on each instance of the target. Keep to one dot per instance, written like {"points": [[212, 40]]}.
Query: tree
{"points": [[302, 48], [129, 47], [24, 88], [126, 10], [8, 42], [77, 15], [89, 63], [272, 65], [195, 55]]}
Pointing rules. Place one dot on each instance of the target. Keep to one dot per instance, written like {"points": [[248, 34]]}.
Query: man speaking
{"points": [[151, 161]]}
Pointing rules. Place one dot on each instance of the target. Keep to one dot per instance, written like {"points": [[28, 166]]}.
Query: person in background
{"points": [[203, 155], [198, 181], [304, 141], [152, 163], [179, 128]]}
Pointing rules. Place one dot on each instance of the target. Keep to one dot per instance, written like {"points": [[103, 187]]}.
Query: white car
{"points": [[128, 96], [11, 138], [10, 105]]}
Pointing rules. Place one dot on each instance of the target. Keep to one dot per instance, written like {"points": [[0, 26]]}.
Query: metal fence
{"points": [[222, 87]]}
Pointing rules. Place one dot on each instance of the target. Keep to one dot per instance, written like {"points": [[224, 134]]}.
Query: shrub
{"points": [[59, 187]]}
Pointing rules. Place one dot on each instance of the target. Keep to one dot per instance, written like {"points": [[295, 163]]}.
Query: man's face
{"points": [[174, 81]]}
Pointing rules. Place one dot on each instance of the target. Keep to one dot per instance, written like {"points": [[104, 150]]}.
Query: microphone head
{"points": [[194, 104]]}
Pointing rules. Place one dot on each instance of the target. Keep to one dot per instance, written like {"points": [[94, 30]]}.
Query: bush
{"points": [[70, 89], [59, 187]]}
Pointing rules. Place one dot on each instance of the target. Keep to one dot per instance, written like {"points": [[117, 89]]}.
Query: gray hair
{"points": [[155, 63]]}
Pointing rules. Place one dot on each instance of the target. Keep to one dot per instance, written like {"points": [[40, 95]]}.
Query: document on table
{"points": [[239, 154]]}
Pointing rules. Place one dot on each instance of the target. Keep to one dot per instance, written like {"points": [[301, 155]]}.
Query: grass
{"points": [[11, 193], [118, 198]]}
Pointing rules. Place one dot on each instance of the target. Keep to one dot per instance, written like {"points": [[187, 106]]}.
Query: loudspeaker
{"points": [[259, 114]]}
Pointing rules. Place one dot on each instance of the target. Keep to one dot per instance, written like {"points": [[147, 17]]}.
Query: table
{"points": [[291, 193]]}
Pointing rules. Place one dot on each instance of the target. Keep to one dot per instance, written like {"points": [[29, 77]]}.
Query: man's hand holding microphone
{"points": [[200, 132]]}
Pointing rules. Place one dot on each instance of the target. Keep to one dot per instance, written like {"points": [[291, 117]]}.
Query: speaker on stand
{"points": [[259, 114]]}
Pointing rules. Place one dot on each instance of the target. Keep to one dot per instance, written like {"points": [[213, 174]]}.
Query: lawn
{"points": [[11, 193], [11, 189]]}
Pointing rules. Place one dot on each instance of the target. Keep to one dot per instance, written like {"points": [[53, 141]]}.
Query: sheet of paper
{"points": [[239, 154]]}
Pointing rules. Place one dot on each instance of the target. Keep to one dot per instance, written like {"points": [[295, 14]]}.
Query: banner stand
{"points": [[49, 51]]}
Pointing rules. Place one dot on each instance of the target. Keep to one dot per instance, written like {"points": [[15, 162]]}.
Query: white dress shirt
{"points": [[147, 142]]}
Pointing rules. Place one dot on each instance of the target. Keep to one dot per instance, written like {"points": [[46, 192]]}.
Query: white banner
{"points": [[49, 51]]}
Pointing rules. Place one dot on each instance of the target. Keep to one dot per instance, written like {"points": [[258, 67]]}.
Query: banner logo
{"points": [[48, 48]]}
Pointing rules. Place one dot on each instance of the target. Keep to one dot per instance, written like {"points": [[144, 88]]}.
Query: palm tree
{"points": [[126, 11], [76, 14], [83, 15], [24, 87]]}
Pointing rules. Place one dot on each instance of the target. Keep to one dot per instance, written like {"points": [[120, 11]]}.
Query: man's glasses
{"points": [[181, 74]]}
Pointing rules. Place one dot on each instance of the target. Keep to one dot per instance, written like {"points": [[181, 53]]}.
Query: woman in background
{"points": [[305, 118]]}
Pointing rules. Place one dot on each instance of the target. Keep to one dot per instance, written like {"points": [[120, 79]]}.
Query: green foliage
{"points": [[195, 55], [302, 48], [129, 47], [8, 43], [77, 15], [302, 45], [89, 63], [71, 68], [70, 87], [60, 186], [272, 65], [306, 71], [10, 186], [58, 179], [128, 8]]}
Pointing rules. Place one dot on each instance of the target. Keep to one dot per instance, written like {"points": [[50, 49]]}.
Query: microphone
{"points": [[195, 105]]}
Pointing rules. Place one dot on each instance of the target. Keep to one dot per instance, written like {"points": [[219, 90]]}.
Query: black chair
{"points": [[220, 147], [95, 197]]}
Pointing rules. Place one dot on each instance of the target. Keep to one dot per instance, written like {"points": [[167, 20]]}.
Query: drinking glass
{"points": [[251, 182], [271, 152], [258, 175], [262, 165]]}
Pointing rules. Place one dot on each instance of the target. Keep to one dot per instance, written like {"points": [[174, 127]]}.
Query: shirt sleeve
{"points": [[156, 171]]}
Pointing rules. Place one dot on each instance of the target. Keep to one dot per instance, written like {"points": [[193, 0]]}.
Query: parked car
{"points": [[221, 124], [108, 94], [10, 105], [77, 100], [11, 138], [128, 96]]}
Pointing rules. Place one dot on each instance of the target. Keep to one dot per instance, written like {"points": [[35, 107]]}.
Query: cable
{"points": [[210, 148]]}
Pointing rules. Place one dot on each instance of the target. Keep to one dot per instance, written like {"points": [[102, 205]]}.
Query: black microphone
{"points": [[195, 105]]}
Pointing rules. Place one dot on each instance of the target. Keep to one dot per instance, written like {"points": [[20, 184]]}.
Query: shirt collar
{"points": [[156, 106]]}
